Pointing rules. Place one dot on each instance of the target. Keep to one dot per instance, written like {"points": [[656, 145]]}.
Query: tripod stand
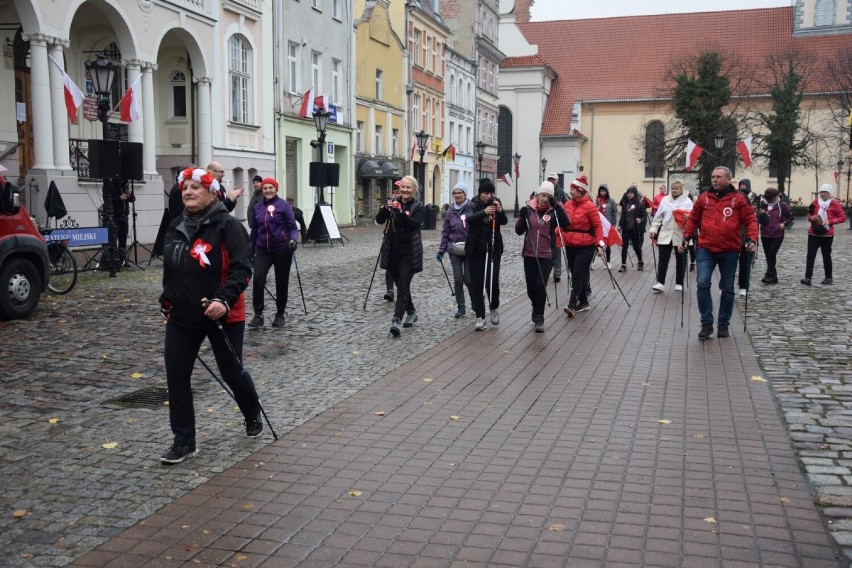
{"points": [[135, 244]]}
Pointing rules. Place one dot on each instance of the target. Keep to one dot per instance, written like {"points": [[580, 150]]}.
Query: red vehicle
{"points": [[24, 263]]}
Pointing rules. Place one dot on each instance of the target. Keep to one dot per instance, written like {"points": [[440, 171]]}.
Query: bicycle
{"points": [[63, 266]]}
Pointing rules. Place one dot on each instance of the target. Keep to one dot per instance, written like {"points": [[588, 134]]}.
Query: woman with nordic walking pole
{"points": [[402, 248], [539, 220], [483, 251], [207, 254], [667, 233], [583, 238], [453, 237]]}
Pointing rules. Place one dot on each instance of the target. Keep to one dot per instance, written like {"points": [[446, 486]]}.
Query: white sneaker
{"points": [[609, 265], [742, 291], [480, 324], [678, 288], [658, 287]]}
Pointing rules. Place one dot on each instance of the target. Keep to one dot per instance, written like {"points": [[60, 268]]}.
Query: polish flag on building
{"points": [[693, 151], [507, 179], [744, 148], [129, 104], [307, 104], [517, 171], [73, 94], [322, 102]]}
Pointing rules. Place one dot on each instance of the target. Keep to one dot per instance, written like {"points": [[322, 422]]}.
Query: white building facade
{"points": [[460, 122]]}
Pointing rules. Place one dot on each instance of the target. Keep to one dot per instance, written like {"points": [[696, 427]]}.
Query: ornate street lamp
{"points": [[422, 141], [480, 153], [102, 73], [719, 142], [543, 168], [517, 160], [321, 122]]}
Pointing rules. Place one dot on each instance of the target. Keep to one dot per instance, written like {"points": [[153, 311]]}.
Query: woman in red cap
{"points": [[274, 238], [582, 239]]}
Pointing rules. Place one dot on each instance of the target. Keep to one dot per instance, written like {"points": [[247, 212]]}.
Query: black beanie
{"points": [[257, 178], [486, 186]]}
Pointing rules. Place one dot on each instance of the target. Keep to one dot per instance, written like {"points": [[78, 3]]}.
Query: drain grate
{"points": [[150, 397]]}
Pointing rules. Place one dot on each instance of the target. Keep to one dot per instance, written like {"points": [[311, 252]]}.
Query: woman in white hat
{"points": [[823, 214]]}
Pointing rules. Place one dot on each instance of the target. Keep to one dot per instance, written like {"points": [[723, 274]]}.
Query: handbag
{"points": [[819, 230], [458, 248]]}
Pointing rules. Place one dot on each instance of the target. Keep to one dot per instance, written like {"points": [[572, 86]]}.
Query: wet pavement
{"points": [[78, 469]]}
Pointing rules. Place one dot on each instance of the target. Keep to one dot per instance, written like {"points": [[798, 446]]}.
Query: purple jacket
{"points": [[274, 225], [455, 227], [771, 217]]}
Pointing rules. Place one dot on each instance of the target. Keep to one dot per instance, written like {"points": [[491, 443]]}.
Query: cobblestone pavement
{"points": [[78, 469]]}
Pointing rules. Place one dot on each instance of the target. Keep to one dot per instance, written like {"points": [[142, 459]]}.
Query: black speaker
{"points": [[104, 159], [324, 175], [131, 160]]}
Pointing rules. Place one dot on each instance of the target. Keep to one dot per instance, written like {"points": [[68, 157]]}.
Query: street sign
{"points": [[330, 148]]}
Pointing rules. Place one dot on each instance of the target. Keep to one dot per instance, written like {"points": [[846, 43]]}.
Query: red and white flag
{"points": [[413, 150], [129, 104], [744, 148], [322, 102], [693, 151], [73, 94], [307, 104], [611, 236], [517, 171], [507, 178]]}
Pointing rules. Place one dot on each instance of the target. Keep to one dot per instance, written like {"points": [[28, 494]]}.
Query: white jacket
{"points": [[664, 225]]}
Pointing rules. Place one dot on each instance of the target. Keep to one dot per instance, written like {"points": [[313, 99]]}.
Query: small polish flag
{"points": [[610, 237], [322, 102], [517, 171], [744, 148], [507, 178], [413, 150], [129, 104], [73, 94], [307, 104], [693, 151]]}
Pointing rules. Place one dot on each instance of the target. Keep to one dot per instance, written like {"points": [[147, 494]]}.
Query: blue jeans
{"points": [[706, 262]]}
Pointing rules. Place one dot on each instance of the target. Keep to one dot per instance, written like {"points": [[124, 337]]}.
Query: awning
{"points": [[370, 169], [391, 169]]}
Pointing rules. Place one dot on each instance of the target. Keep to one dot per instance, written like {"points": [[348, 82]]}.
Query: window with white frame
{"points": [[316, 71], [293, 68], [824, 13], [239, 73], [335, 10], [359, 136], [415, 112], [336, 79], [377, 140], [380, 84], [178, 84], [395, 142], [316, 4], [415, 47]]}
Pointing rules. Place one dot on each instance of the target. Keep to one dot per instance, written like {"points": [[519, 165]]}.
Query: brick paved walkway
{"points": [[588, 445]]}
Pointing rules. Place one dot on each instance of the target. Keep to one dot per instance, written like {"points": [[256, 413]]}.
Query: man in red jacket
{"points": [[719, 214]]}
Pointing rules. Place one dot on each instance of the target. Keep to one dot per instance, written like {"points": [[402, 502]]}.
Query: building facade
{"points": [[460, 123]]}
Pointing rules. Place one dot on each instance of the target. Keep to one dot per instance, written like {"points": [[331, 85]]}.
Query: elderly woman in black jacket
{"points": [[402, 248], [631, 224]]}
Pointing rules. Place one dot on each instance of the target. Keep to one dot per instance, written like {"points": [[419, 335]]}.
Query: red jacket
{"points": [[834, 213], [585, 228], [719, 217]]}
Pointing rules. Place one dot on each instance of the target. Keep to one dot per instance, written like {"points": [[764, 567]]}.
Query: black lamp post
{"points": [[517, 160], [102, 73], [719, 142], [422, 141], [848, 180], [480, 153], [321, 122], [543, 168]]}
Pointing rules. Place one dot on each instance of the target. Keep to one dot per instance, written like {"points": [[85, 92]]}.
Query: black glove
{"points": [[293, 245], [525, 212]]}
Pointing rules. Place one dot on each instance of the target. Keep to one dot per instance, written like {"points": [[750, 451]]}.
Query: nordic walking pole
{"points": [[748, 285], [299, 279], [615, 285], [452, 292], [373, 277], [491, 267], [271, 295]]}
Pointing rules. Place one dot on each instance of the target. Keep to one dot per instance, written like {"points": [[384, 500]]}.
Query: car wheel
{"points": [[20, 290]]}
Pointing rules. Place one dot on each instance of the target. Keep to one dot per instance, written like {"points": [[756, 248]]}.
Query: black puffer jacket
{"points": [[403, 231], [479, 229]]}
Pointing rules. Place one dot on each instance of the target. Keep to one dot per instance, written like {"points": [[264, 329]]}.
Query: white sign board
{"points": [[330, 222]]}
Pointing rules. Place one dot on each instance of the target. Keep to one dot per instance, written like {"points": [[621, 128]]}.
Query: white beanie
{"points": [[827, 187], [546, 187]]}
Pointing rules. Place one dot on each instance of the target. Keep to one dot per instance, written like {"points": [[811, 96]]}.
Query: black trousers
{"points": [[389, 280], [403, 273], [771, 246], [537, 273], [822, 244], [579, 263], [281, 260], [634, 237], [181, 347], [479, 277], [663, 266], [744, 274]]}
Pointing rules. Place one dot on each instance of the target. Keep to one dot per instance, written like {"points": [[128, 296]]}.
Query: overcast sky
{"points": [[581, 9]]}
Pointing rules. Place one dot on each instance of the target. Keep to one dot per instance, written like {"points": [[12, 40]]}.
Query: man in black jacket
{"points": [[485, 243]]}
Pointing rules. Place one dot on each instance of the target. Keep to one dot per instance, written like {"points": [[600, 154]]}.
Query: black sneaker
{"points": [[395, 329], [389, 296], [640, 266], [706, 331], [570, 310], [827, 281], [256, 321], [177, 454], [410, 318], [280, 319], [623, 268], [805, 281], [539, 324], [254, 426], [460, 313], [722, 331]]}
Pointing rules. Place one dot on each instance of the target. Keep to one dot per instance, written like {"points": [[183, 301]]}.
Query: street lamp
{"points": [[102, 73], [321, 122], [543, 168], [719, 142], [480, 153], [517, 160], [422, 140]]}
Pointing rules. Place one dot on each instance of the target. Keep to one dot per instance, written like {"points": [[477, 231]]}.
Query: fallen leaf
{"points": [[558, 527], [664, 421], [758, 379], [184, 526], [710, 520], [241, 556], [20, 513], [427, 380], [54, 420], [137, 375], [379, 413], [356, 353], [248, 506], [783, 500], [454, 417], [111, 445], [354, 493]]}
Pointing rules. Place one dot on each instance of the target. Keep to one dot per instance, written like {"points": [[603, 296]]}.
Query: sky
{"points": [[583, 9]]}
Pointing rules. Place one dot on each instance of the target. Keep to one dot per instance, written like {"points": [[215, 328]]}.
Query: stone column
{"points": [[40, 95], [149, 142], [61, 152], [135, 128], [204, 114]]}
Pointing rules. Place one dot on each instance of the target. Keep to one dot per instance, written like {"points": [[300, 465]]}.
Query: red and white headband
{"points": [[200, 176]]}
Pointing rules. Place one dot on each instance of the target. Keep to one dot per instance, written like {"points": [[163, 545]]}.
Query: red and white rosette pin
{"points": [[199, 252]]}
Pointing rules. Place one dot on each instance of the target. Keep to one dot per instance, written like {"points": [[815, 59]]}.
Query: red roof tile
{"points": [[628, 57]]}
